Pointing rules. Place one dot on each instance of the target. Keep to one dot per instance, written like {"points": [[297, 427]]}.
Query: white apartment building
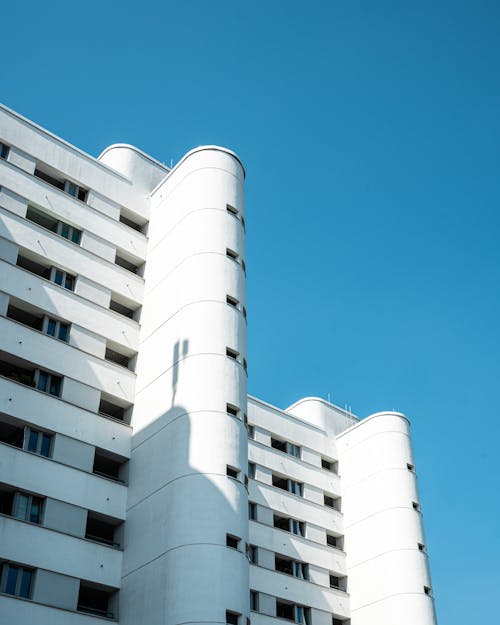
{"points": [[138, 481]]}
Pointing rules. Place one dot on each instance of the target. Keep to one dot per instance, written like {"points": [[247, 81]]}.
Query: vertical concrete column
{"points": [[388, 576], [190, 404]]}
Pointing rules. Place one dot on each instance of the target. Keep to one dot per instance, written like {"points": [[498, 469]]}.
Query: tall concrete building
{"points": [[138, 481]]}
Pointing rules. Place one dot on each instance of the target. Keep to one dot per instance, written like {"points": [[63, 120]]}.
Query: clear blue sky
{"points": [[371, 135]]}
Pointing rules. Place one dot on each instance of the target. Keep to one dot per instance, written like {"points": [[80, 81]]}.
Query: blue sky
{"points": [[370, 132]]}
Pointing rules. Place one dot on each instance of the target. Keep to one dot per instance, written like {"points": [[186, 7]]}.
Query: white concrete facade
{"points": [[138, 481]]}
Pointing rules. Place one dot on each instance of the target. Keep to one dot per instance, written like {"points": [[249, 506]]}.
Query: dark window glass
{"points": [[43, 381], [70, 283], [75, 236], [63, 332], [55, 384], [25, 584], [65, 231], [51, 327], [58, 278], [33, 440], [36, 510], [45, 447], [4, 151], [72, 189], [10, 587], [231, 618]]}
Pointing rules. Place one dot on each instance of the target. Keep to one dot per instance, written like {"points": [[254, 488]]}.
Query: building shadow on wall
{"points": [[177, 565]]}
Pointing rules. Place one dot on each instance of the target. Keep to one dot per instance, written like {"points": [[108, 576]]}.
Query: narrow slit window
{"points": [[232, 353], [232, 254], [232, 301], [232, 210], [232, 472], [232, 541], [232, 410], [4, 151]]}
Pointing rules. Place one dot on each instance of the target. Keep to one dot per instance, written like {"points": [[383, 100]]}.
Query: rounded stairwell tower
{"points": [[186, 530]]}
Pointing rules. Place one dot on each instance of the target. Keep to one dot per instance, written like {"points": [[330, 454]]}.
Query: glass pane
{"points": [[75, 235], [20, 510], [42, 381], [33, 440], [36, 510], [54, 386], [51, 327], [10, 587], [69, 283], [25, 590], [299, 614], [58, 278], [45, 448], [72, 189], [63, 332], [65, 231]]}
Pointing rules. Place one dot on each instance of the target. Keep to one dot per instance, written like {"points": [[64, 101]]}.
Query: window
{"points": [[338, 621], [254, 601], [46, 173], [292, 612], [292, 567], [121, 309], [421, 547], [232, 301], [416, 506], [69, 232], [253, 554], [232, 210], [76, 191], [331, 502], [289, 525], [244, 312], [232, 541], [232, 353], [328, 465], [284, 483], [334, 541], [427, 591], [297, 527], [251, 432], [17, 580], [286, 447], [48, 383], [410, 467], [232, 472], [57, 329], [251, 470], [4, 151], [232, 410], [62, 278], [37, 442], [252, 510], [27, 507], [232, 618], [232, 254], [337, 582], [243, 222], [243, 266], [130, 223]]}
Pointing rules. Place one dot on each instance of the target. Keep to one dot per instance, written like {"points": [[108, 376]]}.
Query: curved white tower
{"points": [[187, 525], [387, 564]]}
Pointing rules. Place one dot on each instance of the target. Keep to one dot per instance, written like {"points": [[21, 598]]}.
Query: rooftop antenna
{"points": [[329, 400], [171, 163]]}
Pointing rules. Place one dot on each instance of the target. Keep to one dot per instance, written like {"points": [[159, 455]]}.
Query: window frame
{"points": [[18, 586]]}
